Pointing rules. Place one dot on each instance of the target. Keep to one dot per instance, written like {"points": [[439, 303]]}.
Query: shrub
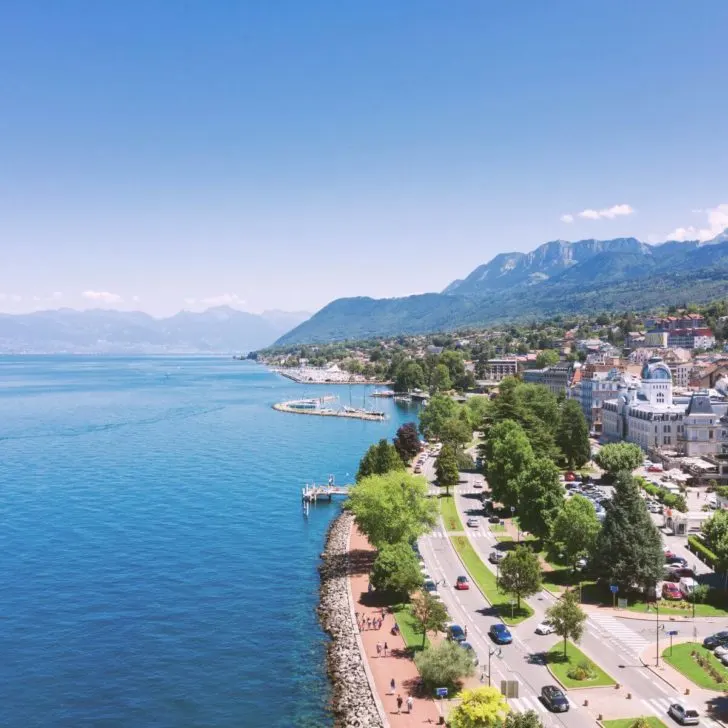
{"points": [[700, 593], [640, 723], [697, 546], [582, 671]]}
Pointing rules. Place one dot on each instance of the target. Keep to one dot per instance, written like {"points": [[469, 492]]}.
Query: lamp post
{"points": [[657, 633], [695, 571], [492, 651], [513, 510]]}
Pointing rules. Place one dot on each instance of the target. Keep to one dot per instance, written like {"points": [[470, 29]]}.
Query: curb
{"points": [[360, 644]]}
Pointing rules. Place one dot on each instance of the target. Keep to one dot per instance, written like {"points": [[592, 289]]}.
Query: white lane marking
{"points": [[618, 631]]}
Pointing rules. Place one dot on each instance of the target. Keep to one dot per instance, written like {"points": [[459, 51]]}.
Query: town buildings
{"points": [[688, 331], [497, 369]]}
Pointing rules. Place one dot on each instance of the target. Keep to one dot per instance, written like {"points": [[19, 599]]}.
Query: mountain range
{"points": [[217, 330], [557, 277]]}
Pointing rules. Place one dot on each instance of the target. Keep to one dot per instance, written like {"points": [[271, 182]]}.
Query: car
{"points": [[721, 651], [545, 627], [581, 564], [683, 714], [724, 657], [430, 586], [495, 557], [715, 640], [668, 554], [456, 633], [570, 476], [678, 562], [494, 519], [477, 484], [500, 634], [654, 468], [554, 699], [683, 573], [462, 583], [671, 591], [467, 646], [418, 469], [472, 522]]}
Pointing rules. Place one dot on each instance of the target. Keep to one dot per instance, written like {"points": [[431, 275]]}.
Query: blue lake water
{"points": [[156, 566]]}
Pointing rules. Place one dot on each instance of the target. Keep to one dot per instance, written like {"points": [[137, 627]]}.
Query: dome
{"points": [[656, 370]]}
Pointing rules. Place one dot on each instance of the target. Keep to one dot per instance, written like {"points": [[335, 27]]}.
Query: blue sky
{"points": [[158, 155]]}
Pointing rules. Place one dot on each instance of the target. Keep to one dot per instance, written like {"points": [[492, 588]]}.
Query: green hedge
{"points": [[701, 550], [671, 500]]}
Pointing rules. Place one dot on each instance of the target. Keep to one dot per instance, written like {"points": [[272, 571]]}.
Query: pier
{"points": [[315, 407], [313, 493]]}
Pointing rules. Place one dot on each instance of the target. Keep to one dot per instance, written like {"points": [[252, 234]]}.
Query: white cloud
{"points": [[224, 299], [102, 296], [608, 213], [567, 218], [717, 223], [56, 295]]}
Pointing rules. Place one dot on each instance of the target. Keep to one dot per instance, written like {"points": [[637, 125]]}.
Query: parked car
{"points": [[724, 657], [683, 714], [671, 591], [430, 586], [721, 651], [684, 572], [467, 646], [496, 557], [581, 564], [654, 468], [472, 522], [715, 640], [677, 561], [687, 585], [494, 519], [544, 627], [500, 634], [462, 583], [570, 476], [456, 633], [477, 484], [554, 699]]}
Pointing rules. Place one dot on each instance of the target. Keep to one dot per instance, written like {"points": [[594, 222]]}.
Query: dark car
{"points": [[494, 519], [500, 634], [554, 699], [456, 633], [469, 649], [715, 640], [677, 561]]}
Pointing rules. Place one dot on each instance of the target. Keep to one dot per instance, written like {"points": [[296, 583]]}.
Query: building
{"points": [[687, 330], [708, 376], [558, 377], [534, 376], [595, 387], [497, 369]]}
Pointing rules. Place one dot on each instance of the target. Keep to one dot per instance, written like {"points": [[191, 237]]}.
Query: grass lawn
{"points": [[503, 538], [486, 580], [683, 662], [560, 666], [628, 722], [701, 610], [408, 626], [496, 527], [450, 514]]}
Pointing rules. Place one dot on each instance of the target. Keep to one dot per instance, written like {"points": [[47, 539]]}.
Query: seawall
{"points": [[353, 704]]}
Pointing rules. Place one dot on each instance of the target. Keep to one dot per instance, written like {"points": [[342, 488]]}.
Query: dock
{"points": [[315, 407], [313, 493]]}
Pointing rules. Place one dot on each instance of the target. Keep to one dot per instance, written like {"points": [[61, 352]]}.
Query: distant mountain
{"points": [[557, 277], [217, 330]]}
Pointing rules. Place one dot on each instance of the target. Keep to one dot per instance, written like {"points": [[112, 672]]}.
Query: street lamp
{"points": [[513, 510], [657, 633], [492, 651], [695, 571]]}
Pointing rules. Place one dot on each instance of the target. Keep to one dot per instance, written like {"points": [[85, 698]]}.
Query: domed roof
{"points": [[656, 369]]}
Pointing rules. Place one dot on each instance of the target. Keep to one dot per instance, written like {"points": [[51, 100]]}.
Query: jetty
{"points": [[317, 407], [312, 493]]}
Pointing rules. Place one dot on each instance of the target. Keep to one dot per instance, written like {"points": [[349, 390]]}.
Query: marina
{"points": [[318, 407]]}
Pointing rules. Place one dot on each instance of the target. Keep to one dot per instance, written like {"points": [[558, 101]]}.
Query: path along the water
{"points": [[396, 664]]}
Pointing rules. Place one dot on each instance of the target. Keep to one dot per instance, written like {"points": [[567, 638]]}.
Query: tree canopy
{"points": [[392, 507], [715, 530], [446, 468], [540, 497], [520, 574], [444, 665], [409, 375], [508, 455], [407, 441], [440, 380], [397, 569], [456, 431], [618, 457], [482, 707], [379, 459], [567, 617], [529, 719], [438, 410], [547, 358], [429, 613], [572, 435], [629, 546], [575, 529]]}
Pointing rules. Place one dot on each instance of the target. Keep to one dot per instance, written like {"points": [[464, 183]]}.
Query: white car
{"points": [[724, 658], [720, 651], [684, 714], [472, 522], [545, 627]]}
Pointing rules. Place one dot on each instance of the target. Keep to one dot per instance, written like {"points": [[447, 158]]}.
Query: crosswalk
{"points": [[619, 631], [526, 703]]}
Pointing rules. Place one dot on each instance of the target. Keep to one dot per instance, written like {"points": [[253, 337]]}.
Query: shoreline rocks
{"points": [[353, 704]]}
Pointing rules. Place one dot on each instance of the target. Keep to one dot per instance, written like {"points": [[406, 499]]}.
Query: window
{"points": [[660, 398], [710, 435]]}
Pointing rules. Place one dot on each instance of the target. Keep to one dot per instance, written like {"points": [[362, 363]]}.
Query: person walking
{"points": [[386, 649], [465, 631], [379, 649], [399, 704], [410, 704], [392, 686]]}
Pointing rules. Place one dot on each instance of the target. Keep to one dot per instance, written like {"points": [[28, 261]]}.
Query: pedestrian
{"points": [[410, 703], [386, 649], [379, 649], [465, 631], [379, 623], [399, 704], [392, 686], [369, 622]]}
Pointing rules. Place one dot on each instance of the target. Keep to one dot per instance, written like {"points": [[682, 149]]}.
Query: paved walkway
{"points": [[395, 664]]}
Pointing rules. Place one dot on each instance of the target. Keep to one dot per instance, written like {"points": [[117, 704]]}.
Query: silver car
{"points": [[683, 714]]}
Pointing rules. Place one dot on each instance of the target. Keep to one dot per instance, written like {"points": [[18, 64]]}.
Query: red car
{"points": [[462, 583], [671, 591], [654, 469], [570, 477]]}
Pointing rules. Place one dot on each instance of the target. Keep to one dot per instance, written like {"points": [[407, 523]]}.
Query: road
{"points": [[615, 644]]}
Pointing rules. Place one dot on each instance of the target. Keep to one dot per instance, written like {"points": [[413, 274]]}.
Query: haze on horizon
{"points": [[281, 155]]}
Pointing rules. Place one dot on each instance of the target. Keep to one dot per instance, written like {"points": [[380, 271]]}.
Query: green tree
{"points": [[529, 719], [392, 507], [575, 529], [408, 376], [547, 358], [407, 441], [482, 707], [379, 459], [430, 614], [572, 435], [454, 363], [444, 665], [520, 574], [567, 617], [618, 457], [508, 455], [439, 409], [715, 530], [440, 380], [629, 546], [540, 497], [446, 468], [397, 569], [456, 431]]}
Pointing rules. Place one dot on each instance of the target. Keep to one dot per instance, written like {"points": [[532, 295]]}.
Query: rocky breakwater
{"points": [[353, 703]]}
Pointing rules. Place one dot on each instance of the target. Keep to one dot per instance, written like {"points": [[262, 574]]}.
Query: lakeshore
{"points": [[330, 375], [351, 413]]}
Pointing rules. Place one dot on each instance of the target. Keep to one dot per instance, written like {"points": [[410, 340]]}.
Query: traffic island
{"points": [[450, 514], [697, 664], [640, 722], [574, 669]]}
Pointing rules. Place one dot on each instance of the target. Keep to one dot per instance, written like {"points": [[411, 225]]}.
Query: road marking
{"points": [[618, 631]]}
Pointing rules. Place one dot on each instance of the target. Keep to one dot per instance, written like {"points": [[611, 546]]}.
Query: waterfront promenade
{"points": [[397, 664]]}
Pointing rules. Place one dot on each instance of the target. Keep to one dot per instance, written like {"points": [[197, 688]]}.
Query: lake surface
{"points": [[156, 566]]}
